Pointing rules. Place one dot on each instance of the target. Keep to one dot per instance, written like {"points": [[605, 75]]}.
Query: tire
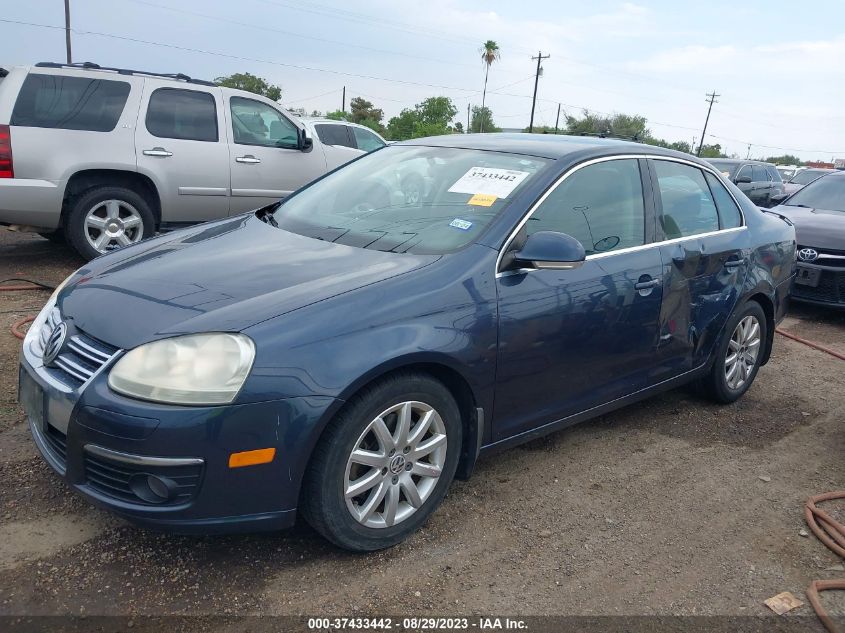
{"points": [[56, 237], [332, 471], [118, 215], [720, 384]]}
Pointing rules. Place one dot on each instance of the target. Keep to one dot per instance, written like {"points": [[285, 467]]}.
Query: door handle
{"points": [[734, 263], [248, 159], [157, 151], [645, 285]]}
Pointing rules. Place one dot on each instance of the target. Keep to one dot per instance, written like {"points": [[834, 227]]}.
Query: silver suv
{"points": [[105, 157]]}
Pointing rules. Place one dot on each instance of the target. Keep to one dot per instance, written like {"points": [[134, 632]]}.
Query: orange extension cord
{"points": [[29, 285], [831, 533]]}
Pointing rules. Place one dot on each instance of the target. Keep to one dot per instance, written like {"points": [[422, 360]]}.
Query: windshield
{"points": [[823, 193], [408, 199], [728, 168], [807, 176]]}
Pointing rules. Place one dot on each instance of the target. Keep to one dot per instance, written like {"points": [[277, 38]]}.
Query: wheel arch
{"points": [[768, 306], [87, 179]]}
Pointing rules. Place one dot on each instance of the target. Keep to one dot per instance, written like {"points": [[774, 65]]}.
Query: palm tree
{"points": [[489, 53]]}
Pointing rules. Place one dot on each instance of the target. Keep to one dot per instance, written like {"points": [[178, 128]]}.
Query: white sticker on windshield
{"points": [[464, 225], [490, 181]]}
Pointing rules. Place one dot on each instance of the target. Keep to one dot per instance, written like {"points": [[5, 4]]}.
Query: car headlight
{"points": [[200, 369], [34, 331]]}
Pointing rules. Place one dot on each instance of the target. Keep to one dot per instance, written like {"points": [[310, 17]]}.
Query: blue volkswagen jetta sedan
{"points": [[348, 352]]}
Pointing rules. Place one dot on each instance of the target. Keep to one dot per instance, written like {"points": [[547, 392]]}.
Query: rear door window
{"points": [[687, 204], [729, 214], [70, 103], [759, 174], [774, 174], [366, 140], [189, 115], [334, 134]]}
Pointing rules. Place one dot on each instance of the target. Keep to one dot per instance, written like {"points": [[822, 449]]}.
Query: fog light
{"points": [[152, 488]]}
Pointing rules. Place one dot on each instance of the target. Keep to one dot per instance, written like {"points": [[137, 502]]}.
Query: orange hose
{"points": [[17, 324], [813, 596], [821, 348]]}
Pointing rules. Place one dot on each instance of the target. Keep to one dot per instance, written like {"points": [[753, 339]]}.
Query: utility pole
{"points": [[67, 31], [467, 117], [748, 155], [540, 57], [692, 147], [557, 118], [712, 99], [343, 103]]}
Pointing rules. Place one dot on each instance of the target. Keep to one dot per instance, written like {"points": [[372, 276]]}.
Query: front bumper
{"points": [[105, 445], [829, 289]]}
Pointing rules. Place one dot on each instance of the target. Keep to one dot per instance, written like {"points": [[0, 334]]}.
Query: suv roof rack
{"points": [[126, 71]]}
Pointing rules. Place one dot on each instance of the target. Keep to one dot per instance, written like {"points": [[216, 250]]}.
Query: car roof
{"points": [[552, 146], [724, 161]]}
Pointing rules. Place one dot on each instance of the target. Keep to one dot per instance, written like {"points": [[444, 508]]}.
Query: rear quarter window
{"points": [[70, 103], [334, 134]]}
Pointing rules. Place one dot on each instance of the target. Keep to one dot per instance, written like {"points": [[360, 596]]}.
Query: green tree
{"points": [[712, 151], [618, 125], [361, 110], [680, 146], [337, 115], [430, 117], [459, 128], [374, 125], [251, 83], [489, 53], [786, 159], [482, 120]]}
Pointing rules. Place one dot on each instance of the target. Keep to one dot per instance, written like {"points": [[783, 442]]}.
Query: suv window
{"points": [[600, 205], [366, 140], [745, 171], [256, 123], [729, 214], [687, 204], [190, 115], [774, 174], [334, 134], [760, 174], [70, 103]]}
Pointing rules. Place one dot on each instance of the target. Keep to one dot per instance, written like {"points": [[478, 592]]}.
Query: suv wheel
{"points": [[384, 464], [107, 218], [738, 355]]}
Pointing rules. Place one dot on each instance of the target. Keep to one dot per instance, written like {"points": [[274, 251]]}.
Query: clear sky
{"points": [[777, 65]]}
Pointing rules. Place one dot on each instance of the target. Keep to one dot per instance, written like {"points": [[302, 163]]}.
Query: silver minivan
{"points": [[105, 157]]}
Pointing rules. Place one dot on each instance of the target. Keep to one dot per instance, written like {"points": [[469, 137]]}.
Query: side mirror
{"points": [[744, 179], [779, 197], [305, 141], [550, 249]]}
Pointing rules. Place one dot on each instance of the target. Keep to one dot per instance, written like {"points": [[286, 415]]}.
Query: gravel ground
{"points": [[673, 506]]}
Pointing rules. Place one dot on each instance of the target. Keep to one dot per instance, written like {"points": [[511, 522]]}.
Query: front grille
{"points": [[81, 356], [831, 288], [114, 479], [828, 257], [57, 443]]}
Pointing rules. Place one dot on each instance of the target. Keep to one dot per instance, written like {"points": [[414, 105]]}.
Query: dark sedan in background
{"points": [[818, 212], [804, 178], [347, 352], [760, 181]]}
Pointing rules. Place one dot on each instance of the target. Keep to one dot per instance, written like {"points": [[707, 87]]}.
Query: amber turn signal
{"points": [[251, 458]]}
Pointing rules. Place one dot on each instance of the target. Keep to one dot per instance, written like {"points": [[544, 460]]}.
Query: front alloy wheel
{"points": [[395, 465], [743, 351]]}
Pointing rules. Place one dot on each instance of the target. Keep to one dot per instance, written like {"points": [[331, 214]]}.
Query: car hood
{"points": [[223, 276], [818, 228]]}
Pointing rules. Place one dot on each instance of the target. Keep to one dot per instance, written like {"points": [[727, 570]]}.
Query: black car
{"points": [[760, 181], [818, 212]]}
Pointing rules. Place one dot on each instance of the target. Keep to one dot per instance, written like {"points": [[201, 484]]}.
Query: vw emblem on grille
{"points": [[54, 342], [808, 254]]}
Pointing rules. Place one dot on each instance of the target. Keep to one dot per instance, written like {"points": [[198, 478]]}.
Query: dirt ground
{"points": [[674, 506]]}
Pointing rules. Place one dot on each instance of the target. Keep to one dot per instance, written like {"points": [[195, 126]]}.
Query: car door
{"points": [[265, 159], [338, 143], [762, 185], [180, 146], [570, 340], [744, 179], [704, 249]]}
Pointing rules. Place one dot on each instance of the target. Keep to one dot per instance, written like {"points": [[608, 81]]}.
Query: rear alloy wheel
{"points": [[384, 463], [738, 355], [108, 218]]}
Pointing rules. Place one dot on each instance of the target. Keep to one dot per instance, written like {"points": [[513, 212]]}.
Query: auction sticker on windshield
{"points": [[490, 181]]}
